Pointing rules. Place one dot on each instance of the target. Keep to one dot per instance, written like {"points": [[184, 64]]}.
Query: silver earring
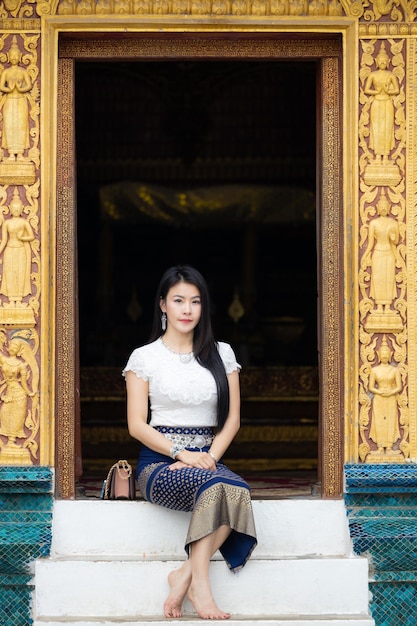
{"points": [[164, 321]]}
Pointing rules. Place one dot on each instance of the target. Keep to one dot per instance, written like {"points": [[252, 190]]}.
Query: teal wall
{"points": [[381, 502], [26, 504]]}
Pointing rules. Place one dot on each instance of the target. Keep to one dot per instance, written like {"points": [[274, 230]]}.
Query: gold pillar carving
{"points": [[20, 418], [67, 354], [411, 239], [384, 366]]}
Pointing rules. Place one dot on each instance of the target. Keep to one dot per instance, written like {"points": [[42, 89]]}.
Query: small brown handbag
{"points": [[120, 482]]}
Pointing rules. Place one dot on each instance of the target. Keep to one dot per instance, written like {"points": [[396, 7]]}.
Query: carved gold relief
{"points": [[19, 395], [384, 419], [19, 105], [383, 375], [382, 121], [19, 251], [385, 385], [17, 8], [291, 8], [395, 10], [383, 268]]}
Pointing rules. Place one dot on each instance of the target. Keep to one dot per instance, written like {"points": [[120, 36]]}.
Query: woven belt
{"points": [[190, 441]]}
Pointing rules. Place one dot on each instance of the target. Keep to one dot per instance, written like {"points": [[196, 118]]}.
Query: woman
{"points": [[192, 383]]}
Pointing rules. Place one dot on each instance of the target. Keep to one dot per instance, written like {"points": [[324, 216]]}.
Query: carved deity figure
{"points": [[385, 384], [382, 84], [383, 238], [16, 234], [14, 392], [15, 82]]}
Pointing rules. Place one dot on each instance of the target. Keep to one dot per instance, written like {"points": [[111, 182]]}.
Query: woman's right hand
{"points": [[203, 460]]}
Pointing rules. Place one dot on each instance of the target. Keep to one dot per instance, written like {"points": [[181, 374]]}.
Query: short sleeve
{"points": [[228, 357], [136, 364]]}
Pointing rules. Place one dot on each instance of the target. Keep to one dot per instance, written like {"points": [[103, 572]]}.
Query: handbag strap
{"points": [[118, 467]]}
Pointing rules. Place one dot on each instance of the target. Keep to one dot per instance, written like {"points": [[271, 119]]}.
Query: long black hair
{"points": [[204, 345]]}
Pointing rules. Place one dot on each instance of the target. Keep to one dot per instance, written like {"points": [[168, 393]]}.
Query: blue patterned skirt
{"points": [[215, 498]]}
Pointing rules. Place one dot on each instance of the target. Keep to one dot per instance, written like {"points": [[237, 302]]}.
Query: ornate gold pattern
{"points": [[395, 10], [411, 237], [66, 284], [331, 337], [278, 8], [189, 47], [19, 245]]}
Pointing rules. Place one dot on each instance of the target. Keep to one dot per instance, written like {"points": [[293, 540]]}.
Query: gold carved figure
{"points": [[15, 82], [14, 392], [382, 84], [16, 233], [385, 384], [380, 254]]}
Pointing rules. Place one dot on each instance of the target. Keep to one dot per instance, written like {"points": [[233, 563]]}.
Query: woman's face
{"points": [[183, 307]]}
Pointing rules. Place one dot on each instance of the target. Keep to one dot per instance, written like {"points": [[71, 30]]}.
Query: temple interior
{"points": [[213, 164]]}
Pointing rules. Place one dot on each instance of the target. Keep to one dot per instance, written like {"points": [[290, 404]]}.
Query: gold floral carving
{"points": [[19, 395], [17, 8], [395, 10]]}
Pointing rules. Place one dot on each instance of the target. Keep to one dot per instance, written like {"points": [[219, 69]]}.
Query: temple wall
{"points": [[378, 195]]}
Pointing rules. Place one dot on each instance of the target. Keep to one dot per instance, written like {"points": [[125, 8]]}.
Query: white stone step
{"points": [[241, 621], [140, 530], [128, 589], [110, 560]]}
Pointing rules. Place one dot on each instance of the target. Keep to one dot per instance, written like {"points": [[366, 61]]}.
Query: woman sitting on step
{"points": [[192, 384]]}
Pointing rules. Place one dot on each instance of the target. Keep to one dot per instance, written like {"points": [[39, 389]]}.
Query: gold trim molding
{"points": [[394, 10], [330, 219]]}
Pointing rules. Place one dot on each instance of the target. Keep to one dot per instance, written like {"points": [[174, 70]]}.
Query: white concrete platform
{"points": [[242, 621], [141, 530], [110, 561]]}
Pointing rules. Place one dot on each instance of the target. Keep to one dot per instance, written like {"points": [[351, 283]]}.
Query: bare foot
{"points": [[203, 602], [179, 581]]}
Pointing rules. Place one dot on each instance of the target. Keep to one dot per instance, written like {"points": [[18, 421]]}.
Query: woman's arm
{"points": [[137, 415]]}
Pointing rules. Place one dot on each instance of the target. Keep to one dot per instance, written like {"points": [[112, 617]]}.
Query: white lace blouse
{"points": [[182, 392]]}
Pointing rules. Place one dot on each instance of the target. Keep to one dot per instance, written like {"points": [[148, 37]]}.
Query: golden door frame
{"points": [[333, 45]]}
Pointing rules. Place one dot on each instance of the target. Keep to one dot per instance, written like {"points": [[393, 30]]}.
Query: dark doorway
{"points": [[225, 153]]}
